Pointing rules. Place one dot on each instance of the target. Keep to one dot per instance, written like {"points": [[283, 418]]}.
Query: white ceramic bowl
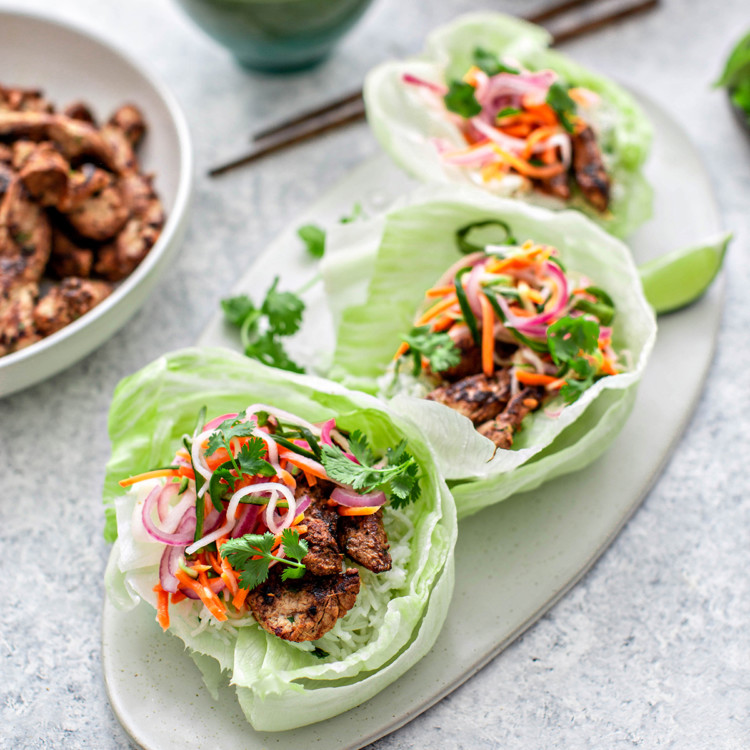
{"points": [[69, 64]]}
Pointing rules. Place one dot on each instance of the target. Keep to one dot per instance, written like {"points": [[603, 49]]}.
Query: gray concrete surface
{"points": [[650, 650]]}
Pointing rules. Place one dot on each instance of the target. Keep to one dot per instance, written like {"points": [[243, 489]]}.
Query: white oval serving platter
{"points": [[513, 560]]}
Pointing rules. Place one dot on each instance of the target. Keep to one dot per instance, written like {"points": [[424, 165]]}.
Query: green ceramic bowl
{"points": [[276, 35]]}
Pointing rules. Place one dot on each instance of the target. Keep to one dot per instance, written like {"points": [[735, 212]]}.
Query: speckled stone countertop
{"points": [[650, 650]]}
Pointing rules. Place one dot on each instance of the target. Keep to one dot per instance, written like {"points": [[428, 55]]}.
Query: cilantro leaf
{"points": [[236, 309], [251, 555], [360, 449], [564, 107], [283, 316], [568, 336], [437, 347], [270, 351], [251, 461], [283, 310], [461, 100], [490, 63], [314, 238], [228, 429], [559, 99], [398, 476]]}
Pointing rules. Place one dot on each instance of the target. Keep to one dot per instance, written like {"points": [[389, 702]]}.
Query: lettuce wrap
{"points": [[397, 615], [375, 293], [406, 111]]}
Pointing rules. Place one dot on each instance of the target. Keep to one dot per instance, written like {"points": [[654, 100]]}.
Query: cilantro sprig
{"points": [[437, 348], [397, 474], [572, 342], [490, 63], [314, 236], [262, 328], [251, 556], [461, 99], [565, 108]]}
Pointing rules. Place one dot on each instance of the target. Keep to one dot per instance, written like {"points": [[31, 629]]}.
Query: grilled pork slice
{"points": [[303, 609], [556, 186], [67, 301], [83, 184], [18, 296], [79, 110], [477, 397], [44, 173], [23, 100], [324, 556], [589, 170], [68, 258], [502, 429], [363, 539], [101, 216], [25, 231], [117, 259]]}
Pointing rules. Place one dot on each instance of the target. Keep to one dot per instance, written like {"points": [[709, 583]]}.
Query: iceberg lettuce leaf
{"points": [[283, 685], [404, 124], [411, 250]]}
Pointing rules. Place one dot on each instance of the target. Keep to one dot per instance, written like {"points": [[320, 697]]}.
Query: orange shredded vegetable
{"points": [[488, 336], [155, 474]]}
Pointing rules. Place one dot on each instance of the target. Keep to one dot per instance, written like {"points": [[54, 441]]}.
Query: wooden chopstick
{"points": [[351, 108]]}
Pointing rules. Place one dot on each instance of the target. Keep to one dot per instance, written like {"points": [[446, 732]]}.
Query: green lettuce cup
{"points": [[439, 138], [281, 684], [376, 275]]}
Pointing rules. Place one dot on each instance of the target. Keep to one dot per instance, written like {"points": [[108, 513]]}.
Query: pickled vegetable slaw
{"points": [[522, 295]]}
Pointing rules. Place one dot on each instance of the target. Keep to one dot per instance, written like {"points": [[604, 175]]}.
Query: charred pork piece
{"points": [[101, 216], [502, 429], [477, 397], [31, 126], [68, 258], [79, 110], [556, 186], [364, 540], [25, 232], [78, 140], [303, 609], [66, 302], [83, 183], [589, 170], [119, 258], [6, 154], [44, 173], [23, 100], [323, 557], [22, 150], [471, 355], [18, 296], [129, 120], [123, 132]]}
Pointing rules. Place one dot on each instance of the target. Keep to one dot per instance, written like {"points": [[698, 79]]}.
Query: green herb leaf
{"points": [[314, 238], [251, 459], [461, 100], [437, 347], [236, 309], [397, 476], [569, 336], [270, 351], [228, 429], [559, 99], [508, 112], [283, 310], [240, 553], [490, 63]]}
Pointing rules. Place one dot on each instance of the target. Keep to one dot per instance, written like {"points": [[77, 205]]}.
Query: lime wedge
{"points": [[678, 278]]}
